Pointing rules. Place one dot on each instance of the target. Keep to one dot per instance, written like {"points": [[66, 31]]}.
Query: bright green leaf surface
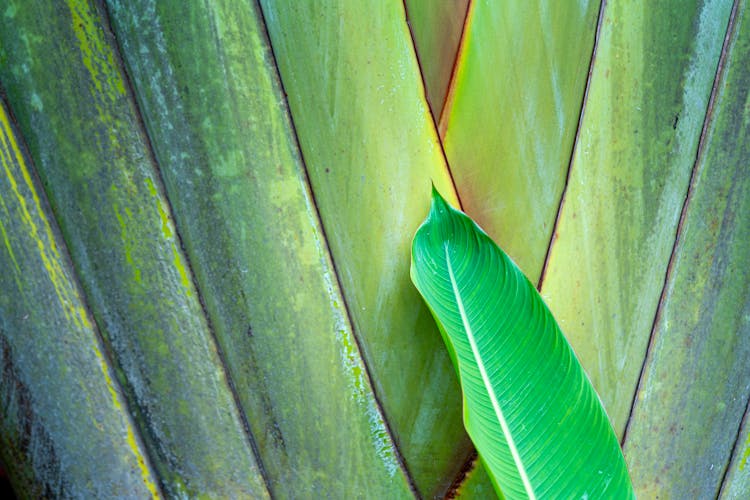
{"points": [[647, 100], [511, 119], [695, 383], [510, 125], [370, 148], [214, 110], [532, 413], [60, 403], [437, 29], [70, 97]]}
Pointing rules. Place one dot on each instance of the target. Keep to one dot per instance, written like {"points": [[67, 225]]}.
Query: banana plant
{"points": [[207, 211]]}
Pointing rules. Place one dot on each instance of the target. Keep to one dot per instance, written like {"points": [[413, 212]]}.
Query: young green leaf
{"points": [[532, 413]]}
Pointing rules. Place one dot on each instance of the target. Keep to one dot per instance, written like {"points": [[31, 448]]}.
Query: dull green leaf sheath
{"points": [[59, 401], [528, 406], [208, 90], [368, 142], [510, 121], [63, 81], [647, 99], [436, 28], [702, 331], [476, 485]]}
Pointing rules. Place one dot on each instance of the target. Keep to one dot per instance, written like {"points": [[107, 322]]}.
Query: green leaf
{"points": [[536, 421]]}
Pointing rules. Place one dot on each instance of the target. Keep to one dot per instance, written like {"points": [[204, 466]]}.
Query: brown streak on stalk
{"points": [[471, 464], [718, 78], [310, 194], [553, 235], [161, 187], [442, 124], [424, 94]]}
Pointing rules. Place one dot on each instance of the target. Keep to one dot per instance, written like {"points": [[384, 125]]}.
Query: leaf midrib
{"points": [[486, 380]]}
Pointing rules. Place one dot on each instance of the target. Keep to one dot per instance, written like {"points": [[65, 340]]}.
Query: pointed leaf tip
{"points": [[436, 194], [438, 205]]}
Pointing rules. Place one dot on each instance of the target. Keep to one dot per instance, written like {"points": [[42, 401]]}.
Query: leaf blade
{"points": [[505, 362], [486, 379]]}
